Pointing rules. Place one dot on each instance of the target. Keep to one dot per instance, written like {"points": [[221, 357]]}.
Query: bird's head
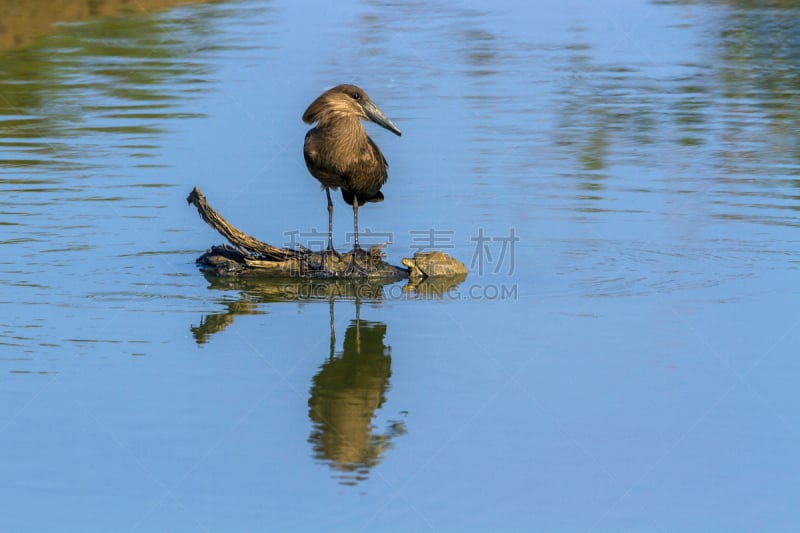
{"points": [[346, 101]]}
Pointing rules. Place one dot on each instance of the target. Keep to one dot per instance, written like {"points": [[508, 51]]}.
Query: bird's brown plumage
{"points": [[339, 153]]}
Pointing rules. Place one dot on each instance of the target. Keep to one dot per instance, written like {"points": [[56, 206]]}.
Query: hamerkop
{"points": [[340, 154]]}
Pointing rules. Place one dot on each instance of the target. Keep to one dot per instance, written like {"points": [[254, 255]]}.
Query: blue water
{"points": [[622, 179]]}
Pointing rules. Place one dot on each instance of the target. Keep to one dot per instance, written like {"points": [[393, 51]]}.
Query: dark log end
{"points": [[195, 197]]}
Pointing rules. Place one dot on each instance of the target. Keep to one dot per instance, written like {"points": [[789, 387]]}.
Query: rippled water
{"points": [[622, 179]]}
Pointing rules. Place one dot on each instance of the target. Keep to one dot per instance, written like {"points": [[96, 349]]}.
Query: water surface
{"points": [[622, 180]]}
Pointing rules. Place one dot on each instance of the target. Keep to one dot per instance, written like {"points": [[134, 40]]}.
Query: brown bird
{"points": [[340, 154]]}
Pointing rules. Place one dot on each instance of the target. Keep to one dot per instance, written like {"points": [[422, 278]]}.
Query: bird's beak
{"points": [[377, 116]]}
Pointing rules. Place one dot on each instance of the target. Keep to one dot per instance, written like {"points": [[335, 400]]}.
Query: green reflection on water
{"points": [[735, 113], [110, 84]]}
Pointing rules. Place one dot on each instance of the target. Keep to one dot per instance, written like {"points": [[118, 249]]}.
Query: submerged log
{"points": [[250, 256]]}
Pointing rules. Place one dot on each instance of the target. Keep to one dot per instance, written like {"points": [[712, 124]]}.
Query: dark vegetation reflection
{"points": [[87, 91], [725, 126], [722, 124], [85, 113], [25, 20]]}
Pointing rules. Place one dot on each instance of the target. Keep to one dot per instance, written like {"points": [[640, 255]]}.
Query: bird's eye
{"points": [[357, 96]]}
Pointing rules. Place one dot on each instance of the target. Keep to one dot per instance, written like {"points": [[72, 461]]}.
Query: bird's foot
{"points": [[331, 260], [331, 252], [358, 263]]}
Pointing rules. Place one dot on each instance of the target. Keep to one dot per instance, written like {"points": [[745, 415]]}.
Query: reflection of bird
{"points": [[344, 397], [339, 153]]}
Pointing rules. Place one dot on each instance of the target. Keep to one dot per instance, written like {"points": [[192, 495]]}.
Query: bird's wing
{"points": [[369, 171], [319, 166]]}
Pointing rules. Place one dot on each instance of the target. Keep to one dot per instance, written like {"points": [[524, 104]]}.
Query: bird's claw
{"points": [[331, 251], [354, 268]]}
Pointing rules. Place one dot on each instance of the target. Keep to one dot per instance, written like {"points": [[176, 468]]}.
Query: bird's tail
{"points": [[349, 196]]}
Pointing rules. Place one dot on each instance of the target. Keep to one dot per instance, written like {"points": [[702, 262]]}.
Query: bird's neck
{"points": [[344, 131]]}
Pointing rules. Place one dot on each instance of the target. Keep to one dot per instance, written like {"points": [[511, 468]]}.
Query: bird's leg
{"points": [[330, 219], [354, 266], [355, 220], [330, 251]]}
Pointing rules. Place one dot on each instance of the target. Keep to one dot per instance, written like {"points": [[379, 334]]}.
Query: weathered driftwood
{"points": [[241, 240], [251, 256]]}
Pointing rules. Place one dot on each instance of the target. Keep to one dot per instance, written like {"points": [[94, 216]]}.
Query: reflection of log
{"points": [[251, 256], [252, 293]]}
